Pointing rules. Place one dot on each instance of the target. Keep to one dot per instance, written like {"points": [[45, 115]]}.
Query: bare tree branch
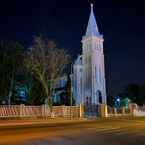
{"points": [[47, 62]]}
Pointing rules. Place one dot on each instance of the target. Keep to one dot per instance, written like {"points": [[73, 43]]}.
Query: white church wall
{"points": [[93, 72]]}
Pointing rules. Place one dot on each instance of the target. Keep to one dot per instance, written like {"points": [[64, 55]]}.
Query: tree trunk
{"points": [[11, 89], [48, 92]]}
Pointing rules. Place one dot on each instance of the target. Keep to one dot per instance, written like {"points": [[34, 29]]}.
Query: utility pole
{"points": [[71, 97]]}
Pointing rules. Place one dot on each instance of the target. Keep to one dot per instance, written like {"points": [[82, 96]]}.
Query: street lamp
{"points": [[71, 101]]}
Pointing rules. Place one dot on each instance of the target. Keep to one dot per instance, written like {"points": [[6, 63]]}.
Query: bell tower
{"points": [[93, 72]]}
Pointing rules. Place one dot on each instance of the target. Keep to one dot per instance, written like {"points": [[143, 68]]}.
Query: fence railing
{"points": [[39, 111], [138, 110], [116, 112], [68, 111]]}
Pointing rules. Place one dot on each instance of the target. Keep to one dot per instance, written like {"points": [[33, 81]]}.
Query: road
{"points": [[125, 131]]}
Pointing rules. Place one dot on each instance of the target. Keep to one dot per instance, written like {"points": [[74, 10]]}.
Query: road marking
{"points": [[115, 130], [121, 131], [108, 129]]}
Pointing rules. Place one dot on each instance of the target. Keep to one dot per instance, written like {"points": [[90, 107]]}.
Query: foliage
{"points": [[68, 91], [110, 100], [135, 92], [66, 96], [11, 63], [36, 94], [68, 99]]}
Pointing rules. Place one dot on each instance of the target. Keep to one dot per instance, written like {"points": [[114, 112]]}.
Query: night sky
{"points": [[121, 22]]}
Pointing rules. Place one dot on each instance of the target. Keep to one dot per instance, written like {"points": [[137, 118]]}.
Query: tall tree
{"points": [[46, 63], [68, 99], [36, 93], [135, 92], [11, 60], [132, 91]]}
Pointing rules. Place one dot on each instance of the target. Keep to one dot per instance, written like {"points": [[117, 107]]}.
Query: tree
{"points": [[135, 92], [110, 100], [46, 62], [132, 91], [68, 91], [35, 96], [11, 63], [69, 100]]}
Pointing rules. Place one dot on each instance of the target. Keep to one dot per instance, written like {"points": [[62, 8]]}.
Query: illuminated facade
{"points": [[89, 73], [77, 80]]}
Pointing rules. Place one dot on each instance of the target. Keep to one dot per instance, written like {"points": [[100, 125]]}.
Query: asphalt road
{"points": [[101, 132]]}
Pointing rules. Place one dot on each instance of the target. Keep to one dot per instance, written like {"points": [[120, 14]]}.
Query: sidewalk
{"points": [[50, 121]]}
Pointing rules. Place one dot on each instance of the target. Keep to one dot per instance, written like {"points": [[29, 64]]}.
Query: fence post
{"points": [[81, 109], [114, 111], [123, 111], [132, 107], [22, 113], [63, 110], [43, 110], [103, 110]]}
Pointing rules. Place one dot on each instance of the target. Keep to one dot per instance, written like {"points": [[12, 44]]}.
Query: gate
{"points": [[91, 109]]}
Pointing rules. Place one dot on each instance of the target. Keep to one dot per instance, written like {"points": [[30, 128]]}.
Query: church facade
{"points": [[88, 69]]}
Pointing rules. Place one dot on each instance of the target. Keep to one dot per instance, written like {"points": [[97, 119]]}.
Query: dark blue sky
{"points": [[122, 22]]}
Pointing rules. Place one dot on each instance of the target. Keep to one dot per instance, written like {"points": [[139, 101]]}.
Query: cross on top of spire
{"points": [[92, 28], [91, 6]]}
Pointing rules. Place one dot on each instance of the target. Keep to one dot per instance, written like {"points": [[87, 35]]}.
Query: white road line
{"points": [[110, 129], [116, 130]]}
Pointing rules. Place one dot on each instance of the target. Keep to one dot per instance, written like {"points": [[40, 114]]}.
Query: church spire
{"points": [[92, 28]]}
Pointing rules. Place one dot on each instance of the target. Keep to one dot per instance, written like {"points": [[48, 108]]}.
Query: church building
{"points": [[88, 69]]}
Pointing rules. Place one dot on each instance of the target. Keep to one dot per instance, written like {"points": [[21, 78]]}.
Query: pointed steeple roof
{"points": [[92, 28]]}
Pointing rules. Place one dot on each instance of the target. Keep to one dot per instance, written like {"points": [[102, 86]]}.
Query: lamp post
{"points": [[71, 101]]}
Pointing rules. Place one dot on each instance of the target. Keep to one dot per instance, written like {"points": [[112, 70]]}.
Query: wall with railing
{"points": [[138, 111], [116, 112], [132, 110], [39, 111], [68, 111]]}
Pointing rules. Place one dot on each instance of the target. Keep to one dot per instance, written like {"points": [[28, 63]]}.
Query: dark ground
{"points": [[125, 131]]}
